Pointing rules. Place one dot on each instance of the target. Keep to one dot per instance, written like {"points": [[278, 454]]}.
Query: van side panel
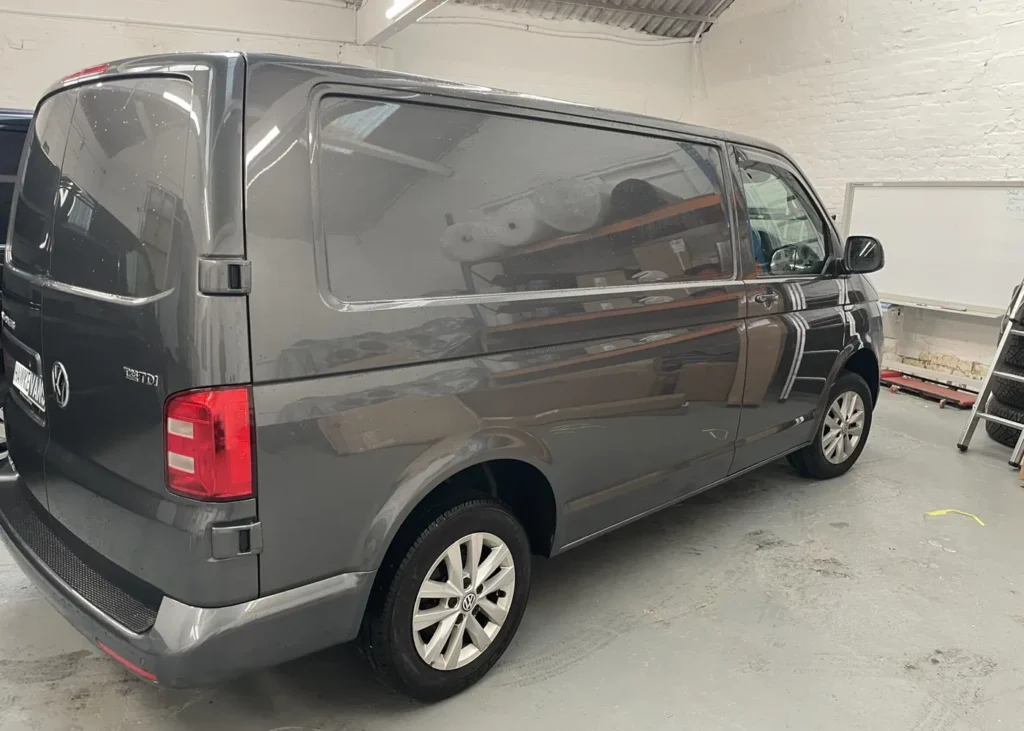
{"points": [[377, 379]]}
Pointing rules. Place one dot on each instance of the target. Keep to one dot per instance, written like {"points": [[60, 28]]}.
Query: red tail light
{"points": [[209, 444]]}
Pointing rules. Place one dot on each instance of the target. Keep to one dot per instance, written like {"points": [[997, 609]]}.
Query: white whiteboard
{"points": [[956, 245]]}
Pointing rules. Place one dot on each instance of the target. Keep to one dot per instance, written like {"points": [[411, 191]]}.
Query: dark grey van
{"points": [[304, 353]]}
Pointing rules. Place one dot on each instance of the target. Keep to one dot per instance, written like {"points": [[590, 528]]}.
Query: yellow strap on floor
{"points": [[947, 511]]}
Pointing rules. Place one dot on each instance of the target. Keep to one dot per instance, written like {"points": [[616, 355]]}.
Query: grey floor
{"points": [[771, 603]]}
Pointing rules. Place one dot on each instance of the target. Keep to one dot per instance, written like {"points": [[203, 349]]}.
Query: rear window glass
{"points": [[30, 235], [420, 201], [120, 198]]}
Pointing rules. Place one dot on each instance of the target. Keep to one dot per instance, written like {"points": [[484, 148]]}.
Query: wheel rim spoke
{"points": [[439, 590], [500, 580], [453, 557], [433, 649], [473, 551], [477, 634], [493, 561], [454, 652], [427, 618], [494, 612]]}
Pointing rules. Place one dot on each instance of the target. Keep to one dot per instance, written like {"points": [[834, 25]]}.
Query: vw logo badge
{"points": [[61, 387], [468, 602]]}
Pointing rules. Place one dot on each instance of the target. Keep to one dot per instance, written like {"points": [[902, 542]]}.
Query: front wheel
{"points": [[451, 607], [842, 433]]}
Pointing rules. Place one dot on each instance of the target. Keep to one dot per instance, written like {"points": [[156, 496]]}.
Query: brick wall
{"points": [[873, 90], [580, 62]]}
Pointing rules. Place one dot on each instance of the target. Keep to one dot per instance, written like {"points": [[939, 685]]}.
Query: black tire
{"points": [[1009, 392], [811, 460], [1015, 352], [387, 635], [1001, 433]]}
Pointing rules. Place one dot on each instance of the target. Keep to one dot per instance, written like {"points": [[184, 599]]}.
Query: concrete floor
{"points": [[770, 603]]}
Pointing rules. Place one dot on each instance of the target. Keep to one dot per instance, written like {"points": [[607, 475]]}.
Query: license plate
{"points": [[29, 385]]}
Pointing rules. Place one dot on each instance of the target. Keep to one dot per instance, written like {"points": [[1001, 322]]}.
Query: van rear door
{"points": [[27, 264], [125, 326]]}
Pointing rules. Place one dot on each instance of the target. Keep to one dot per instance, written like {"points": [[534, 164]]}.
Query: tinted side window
{"points": [[30, 235], [787, 233], [6, 199], [419, 200], [10, 152], [120, 197]]}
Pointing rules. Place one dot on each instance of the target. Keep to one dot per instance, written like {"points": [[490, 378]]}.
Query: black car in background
{"points": [[14, 126]]}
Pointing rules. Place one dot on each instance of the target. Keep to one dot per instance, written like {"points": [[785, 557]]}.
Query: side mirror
{"points": [[863, 255]]}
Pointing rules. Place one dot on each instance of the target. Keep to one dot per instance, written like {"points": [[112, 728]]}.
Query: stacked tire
{"points": [[1008, 396]]}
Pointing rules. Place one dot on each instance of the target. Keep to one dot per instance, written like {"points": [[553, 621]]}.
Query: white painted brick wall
{"points": [[42, 41], [873, 89], [870, 90], [579, 62]]}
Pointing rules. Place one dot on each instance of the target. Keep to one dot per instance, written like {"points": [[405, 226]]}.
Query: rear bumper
{"points": [[194, 646]]}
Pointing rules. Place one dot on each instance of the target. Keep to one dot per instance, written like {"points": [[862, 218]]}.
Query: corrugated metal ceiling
{"points": [[668, 18]]}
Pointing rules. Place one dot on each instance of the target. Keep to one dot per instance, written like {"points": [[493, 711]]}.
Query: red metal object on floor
{"points": [[944, 394]]}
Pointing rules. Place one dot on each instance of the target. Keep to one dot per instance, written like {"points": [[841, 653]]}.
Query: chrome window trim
{"points": [[48, 283], [502, 297]]}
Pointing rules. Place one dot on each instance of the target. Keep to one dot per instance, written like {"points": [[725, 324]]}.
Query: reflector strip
{"points": [[180, 428], [181, 462], [130, 665]]}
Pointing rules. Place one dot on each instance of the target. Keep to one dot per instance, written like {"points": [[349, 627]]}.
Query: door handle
{"points": [[767, 298]]}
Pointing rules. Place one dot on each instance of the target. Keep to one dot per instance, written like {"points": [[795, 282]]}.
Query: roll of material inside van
{"points": [[471, 241], [571, 205], [518, 224], [635, 197]]}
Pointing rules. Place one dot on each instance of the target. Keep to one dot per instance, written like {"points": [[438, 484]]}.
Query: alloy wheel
{"points": [[464, 601], [843, 427]]}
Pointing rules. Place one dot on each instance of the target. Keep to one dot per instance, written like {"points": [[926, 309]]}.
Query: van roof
{"points": [[394, 80]]}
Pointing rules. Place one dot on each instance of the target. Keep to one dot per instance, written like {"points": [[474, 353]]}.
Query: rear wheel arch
{"points": [[518, 483]]}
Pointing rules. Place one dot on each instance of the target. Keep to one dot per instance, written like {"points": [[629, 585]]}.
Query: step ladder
{"points": [[1014, 327]]}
